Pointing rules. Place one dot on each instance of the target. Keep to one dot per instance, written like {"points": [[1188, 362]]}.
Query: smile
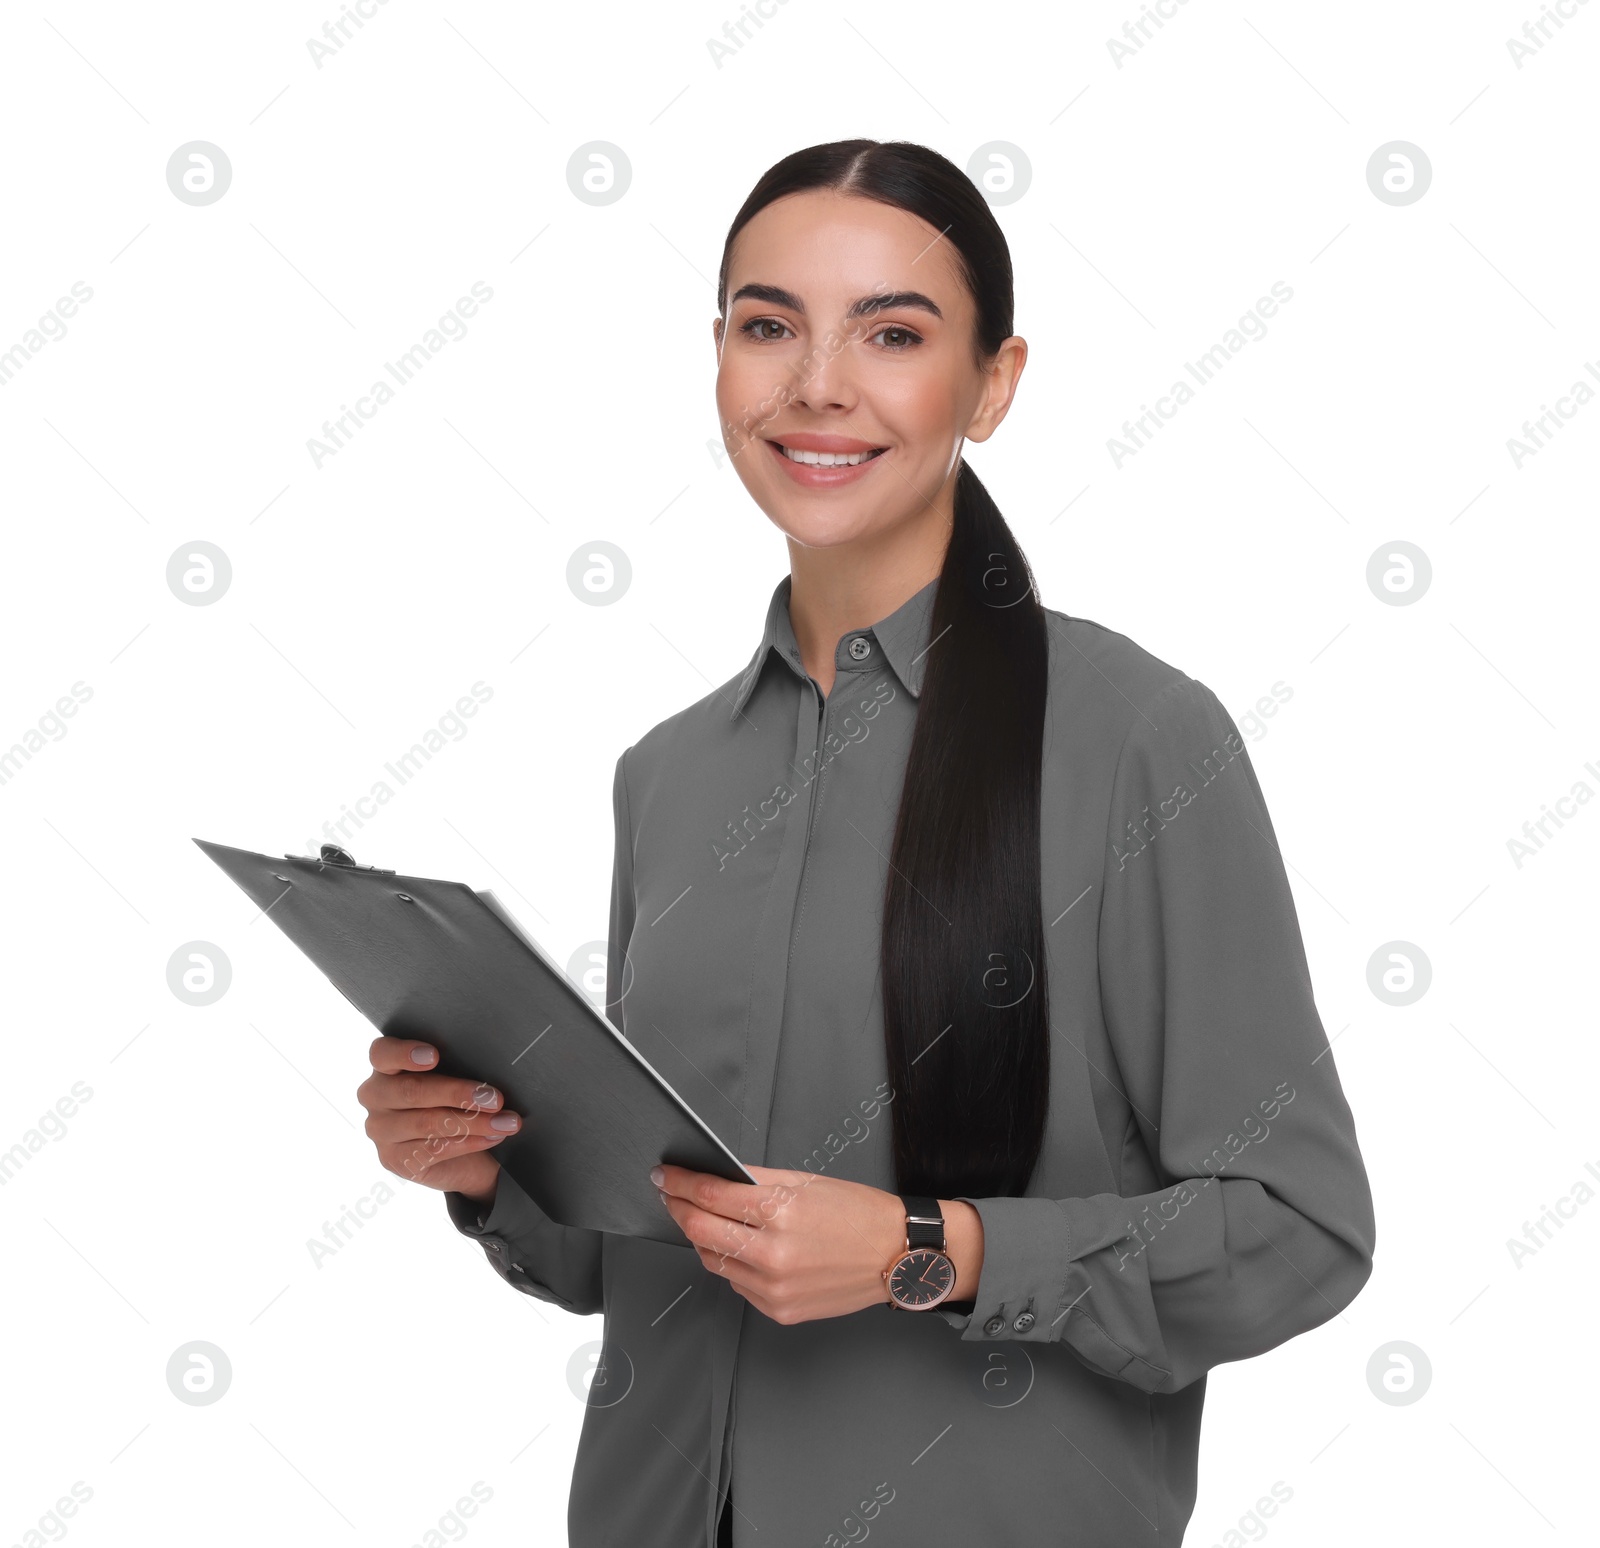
{"points": [[825, 467], [829, 459]]}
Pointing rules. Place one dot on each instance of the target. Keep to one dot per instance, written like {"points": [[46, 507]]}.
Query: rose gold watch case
{"points": [[943, 1295]]}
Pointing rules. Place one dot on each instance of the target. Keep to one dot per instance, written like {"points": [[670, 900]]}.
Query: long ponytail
{"points": [[966, 1017]]}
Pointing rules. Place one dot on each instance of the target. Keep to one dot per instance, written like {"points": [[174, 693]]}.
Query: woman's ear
{"points": [[716, 335], [1000, 378]]}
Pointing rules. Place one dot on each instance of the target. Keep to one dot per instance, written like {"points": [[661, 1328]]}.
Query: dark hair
{"points": [[965, 1003]]}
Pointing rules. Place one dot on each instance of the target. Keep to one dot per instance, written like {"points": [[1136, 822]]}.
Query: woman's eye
{"points": [[757, 328], [897, 338]]}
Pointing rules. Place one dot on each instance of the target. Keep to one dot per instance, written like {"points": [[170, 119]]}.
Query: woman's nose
{"points": [[826, 378]]}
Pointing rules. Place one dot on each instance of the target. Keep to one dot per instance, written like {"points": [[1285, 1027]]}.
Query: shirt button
{"points": [[1024, 1321], [994, 1325], [860, 647]]}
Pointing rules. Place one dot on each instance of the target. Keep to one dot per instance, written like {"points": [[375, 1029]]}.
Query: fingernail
{"points": [[657, 1176], [504, 1121], [485, 1099], [422, 1055]]}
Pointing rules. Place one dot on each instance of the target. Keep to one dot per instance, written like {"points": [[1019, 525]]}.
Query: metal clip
{"points": [[336, 854]]}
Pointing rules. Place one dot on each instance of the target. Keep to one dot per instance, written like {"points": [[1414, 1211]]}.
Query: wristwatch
{"points": [[923, 1275]]}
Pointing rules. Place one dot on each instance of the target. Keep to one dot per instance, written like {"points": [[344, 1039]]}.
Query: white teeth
{"points": [[826, 459]]}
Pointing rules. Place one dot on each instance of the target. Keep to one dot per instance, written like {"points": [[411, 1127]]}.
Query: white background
{"points": [[370, 593]]}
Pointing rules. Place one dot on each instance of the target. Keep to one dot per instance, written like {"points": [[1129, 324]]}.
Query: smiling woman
{"points": [[990, 1317]]}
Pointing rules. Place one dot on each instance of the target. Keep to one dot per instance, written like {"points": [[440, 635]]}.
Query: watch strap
{"points": [[924, 1221]]}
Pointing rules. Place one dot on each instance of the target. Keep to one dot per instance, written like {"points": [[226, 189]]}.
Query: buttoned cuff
{"points": [[512, 1217], [1034, 1286], [1026, 1261], [511, 1214], [533, 1253]]}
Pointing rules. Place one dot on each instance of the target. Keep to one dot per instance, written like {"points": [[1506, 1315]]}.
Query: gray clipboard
{"points": [[436, 960]]}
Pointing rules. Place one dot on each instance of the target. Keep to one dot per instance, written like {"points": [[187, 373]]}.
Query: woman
{"points": [[950, 905]]}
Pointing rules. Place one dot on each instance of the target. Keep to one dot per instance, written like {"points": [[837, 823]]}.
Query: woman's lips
{"points": [[812, 475]]}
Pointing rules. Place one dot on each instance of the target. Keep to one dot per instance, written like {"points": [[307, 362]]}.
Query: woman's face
{"points": [[849, 333]]}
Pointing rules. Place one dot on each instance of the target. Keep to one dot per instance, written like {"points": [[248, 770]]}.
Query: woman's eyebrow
{"points": [[896, 300], [773, 295]]}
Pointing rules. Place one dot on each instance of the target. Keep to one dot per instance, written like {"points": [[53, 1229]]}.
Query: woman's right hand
{"points": [[429, 1128]]}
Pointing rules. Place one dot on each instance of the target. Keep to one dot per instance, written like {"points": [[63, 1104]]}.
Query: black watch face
{"points": [[923, 1277]]}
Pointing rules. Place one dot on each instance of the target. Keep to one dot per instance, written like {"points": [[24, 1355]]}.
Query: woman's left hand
{"points": [[799, 1246]]}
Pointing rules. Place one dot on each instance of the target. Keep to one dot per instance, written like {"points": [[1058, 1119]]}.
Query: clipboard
{"points": [[438, 961]]}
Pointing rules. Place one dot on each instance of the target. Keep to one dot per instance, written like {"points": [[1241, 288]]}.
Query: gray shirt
{"points": [[1200, 1197]]}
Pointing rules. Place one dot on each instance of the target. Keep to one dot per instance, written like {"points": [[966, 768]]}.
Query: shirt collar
{"points": [[902, 636]]}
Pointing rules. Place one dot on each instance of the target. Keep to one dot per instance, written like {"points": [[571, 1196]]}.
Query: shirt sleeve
{"points": [[542, 1258], [1262, 1225], [529, 1250]]}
